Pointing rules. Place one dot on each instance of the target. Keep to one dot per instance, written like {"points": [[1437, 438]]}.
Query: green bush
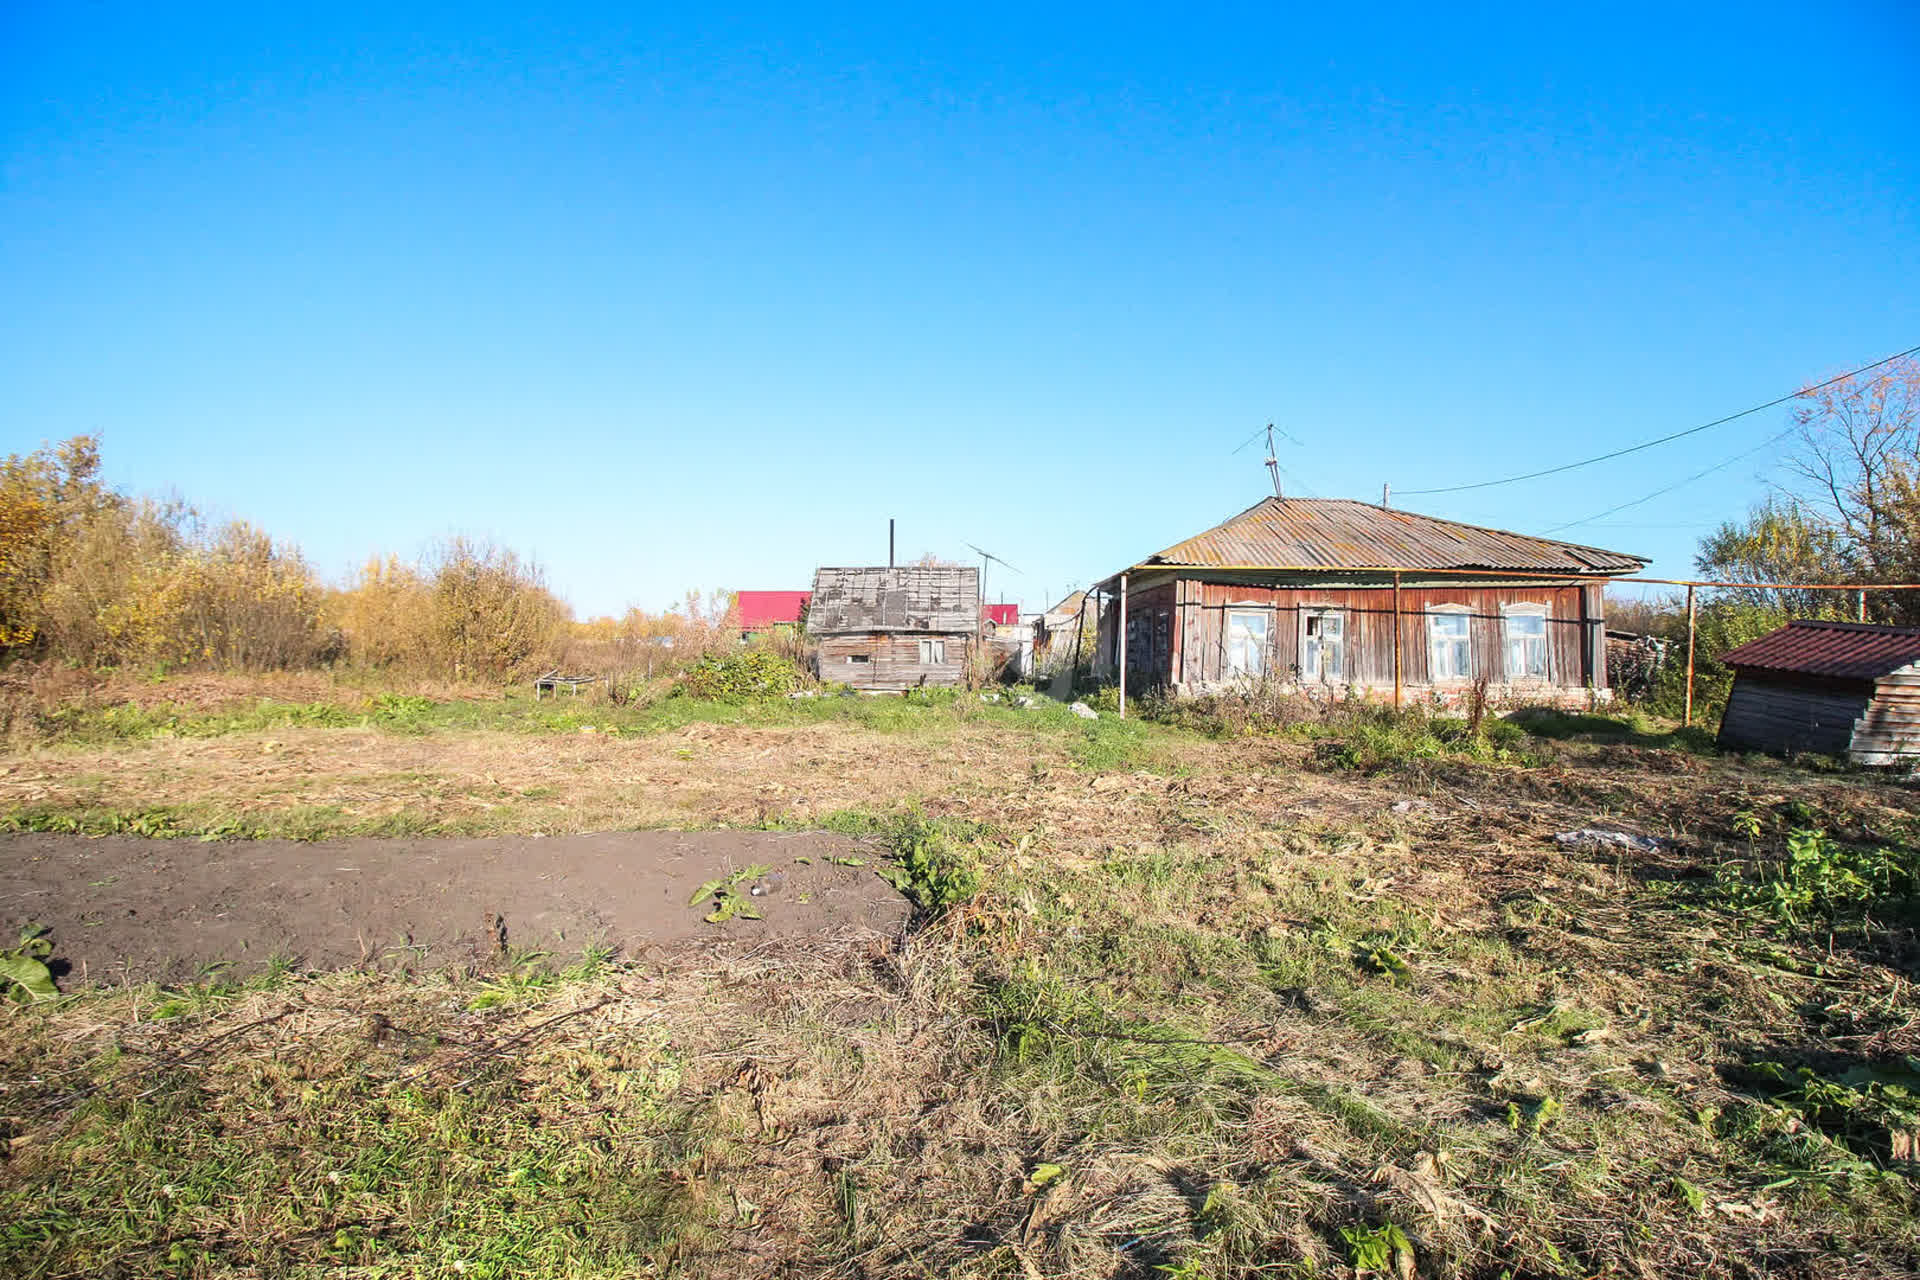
{"points": [[751, 673]]}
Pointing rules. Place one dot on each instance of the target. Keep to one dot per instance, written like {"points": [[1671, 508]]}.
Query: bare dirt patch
{"points": [[171, 909]]}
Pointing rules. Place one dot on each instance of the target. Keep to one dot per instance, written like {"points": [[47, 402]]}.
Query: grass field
{"points": [[1325, 1002]]}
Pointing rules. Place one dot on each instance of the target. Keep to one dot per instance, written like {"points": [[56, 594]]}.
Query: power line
{"points": [[1657, 493], [1705, 426]]}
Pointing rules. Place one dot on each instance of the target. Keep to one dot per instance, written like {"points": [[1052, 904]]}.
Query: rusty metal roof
{"points": [[1843, 650], [1340, 533], [942, 598]]}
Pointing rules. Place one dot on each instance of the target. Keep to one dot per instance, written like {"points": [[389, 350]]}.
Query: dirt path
{"points": [[170, 909]]}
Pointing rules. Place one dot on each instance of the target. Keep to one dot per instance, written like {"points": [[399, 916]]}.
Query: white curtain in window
{"points": [[1449, 646], [1526, 632], [1247, 644]]}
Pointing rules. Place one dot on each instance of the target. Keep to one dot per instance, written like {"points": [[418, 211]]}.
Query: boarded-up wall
{"points": [[1194, 652], [892, 660]]}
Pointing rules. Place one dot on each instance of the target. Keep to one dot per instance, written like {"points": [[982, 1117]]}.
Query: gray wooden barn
{"points": [[895, 629], [1847, 689]]}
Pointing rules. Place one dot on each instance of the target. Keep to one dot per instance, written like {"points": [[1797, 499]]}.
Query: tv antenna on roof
{"points": [[1273, 457], [986, 555]]}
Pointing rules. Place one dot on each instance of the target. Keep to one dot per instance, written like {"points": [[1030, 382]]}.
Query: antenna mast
{"points": [[1273, 464]]}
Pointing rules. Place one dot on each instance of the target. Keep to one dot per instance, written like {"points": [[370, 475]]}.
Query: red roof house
{"points": [[1001, 615], [762, 610]]}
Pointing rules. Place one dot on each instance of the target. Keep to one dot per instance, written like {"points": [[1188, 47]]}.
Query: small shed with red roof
{"points": [[1847, 689], [765, 610]]}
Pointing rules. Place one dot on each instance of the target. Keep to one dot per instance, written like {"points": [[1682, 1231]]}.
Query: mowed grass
{"points": [[1216, 1008]]}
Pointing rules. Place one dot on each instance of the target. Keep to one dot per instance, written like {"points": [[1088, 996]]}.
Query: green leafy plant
{"points": [[1383, 1248], [1530, 1118], [932, 872], [1822, 878], [751, 673], [724, 894], [24, 976]]}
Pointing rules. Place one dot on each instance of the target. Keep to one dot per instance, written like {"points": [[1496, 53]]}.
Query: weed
{"points": [[1384, 1249], [932, 871], [24, 976], [1821, 878], [724, 895], [751, 673]]}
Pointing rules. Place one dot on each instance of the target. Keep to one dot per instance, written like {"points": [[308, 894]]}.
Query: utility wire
{"points": [[1662, 492], [1705, 426]]}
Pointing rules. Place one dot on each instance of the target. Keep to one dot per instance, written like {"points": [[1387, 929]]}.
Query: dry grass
{"points": [[1242, 1001]]}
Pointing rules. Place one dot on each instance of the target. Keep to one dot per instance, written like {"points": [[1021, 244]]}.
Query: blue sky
{"points": [[680, 299]]}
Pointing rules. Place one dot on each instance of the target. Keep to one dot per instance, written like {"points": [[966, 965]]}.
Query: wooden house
{"points": [[1847, 689], [1333, 596], [895, 629]]}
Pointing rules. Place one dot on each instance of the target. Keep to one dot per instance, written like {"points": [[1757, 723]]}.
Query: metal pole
{"points": [[1396, 640], [889, 542], [1860, 606], [1688, 720], [1123, 646]]}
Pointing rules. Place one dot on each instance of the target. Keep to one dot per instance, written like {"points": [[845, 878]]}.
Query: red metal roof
{"points": [[1001, 615], [1845, 650], [1340, 533], [760, 609]]}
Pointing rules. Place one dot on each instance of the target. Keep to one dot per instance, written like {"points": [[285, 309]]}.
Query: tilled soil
{"points": [[123, 908]]}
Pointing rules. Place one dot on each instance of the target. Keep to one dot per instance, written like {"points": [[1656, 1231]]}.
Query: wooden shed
{"points": [[895, 629], [1847, 689], [1338, 595]]}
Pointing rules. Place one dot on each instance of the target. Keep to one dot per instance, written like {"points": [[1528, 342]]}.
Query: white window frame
{"points": [[933, 653], [860, 657], [1435, 640], [1525, 609], [1257, 668], [1312, 656]]}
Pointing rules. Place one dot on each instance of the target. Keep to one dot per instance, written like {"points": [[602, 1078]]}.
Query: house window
{"points": [[859, 657], [1246, 644], [933, 652], [1525, 629], [1323, 645], [1449, 644]]}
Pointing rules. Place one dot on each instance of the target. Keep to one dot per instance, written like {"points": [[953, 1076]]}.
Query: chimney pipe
{"points": [[889, 542]]}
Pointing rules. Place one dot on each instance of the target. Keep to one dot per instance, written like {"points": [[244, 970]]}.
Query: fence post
{"points": [[1688, 720], [1123, 646], [1396, 638]]}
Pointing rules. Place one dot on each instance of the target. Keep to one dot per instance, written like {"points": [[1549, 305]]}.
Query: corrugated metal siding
{"points": [[945, 599], [1339, 533], [1844, 650]]}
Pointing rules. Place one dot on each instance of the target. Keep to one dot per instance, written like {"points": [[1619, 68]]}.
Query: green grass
{"points": [[1252, 1041]]}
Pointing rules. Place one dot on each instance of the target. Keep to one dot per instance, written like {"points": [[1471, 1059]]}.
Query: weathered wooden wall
{"points": [[1784, 713], [1889, 732], [1193, 615], [893, 660]]}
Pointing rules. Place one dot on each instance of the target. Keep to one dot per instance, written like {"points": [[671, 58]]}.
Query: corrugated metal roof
{"points": [[1001, 615], [945, 599], [1340, 533], [1844, 650], [769, 608]]}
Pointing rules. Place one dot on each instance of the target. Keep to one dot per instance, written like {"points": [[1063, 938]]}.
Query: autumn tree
{"points": [[1849, 508]]}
